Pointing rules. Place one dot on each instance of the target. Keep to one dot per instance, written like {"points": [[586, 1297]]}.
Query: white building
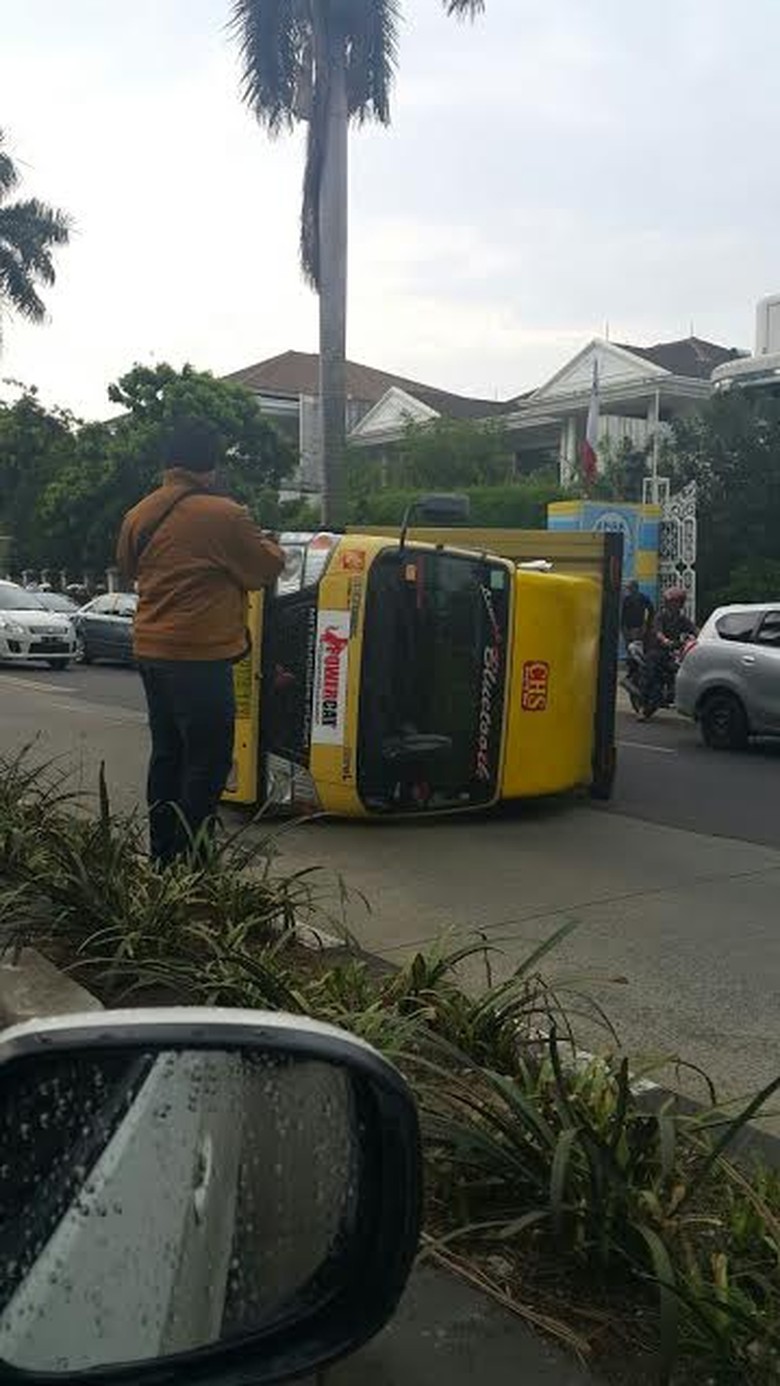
{"points": [[641, 391], [761, 370]]}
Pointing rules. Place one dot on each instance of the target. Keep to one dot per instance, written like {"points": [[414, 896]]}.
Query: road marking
{"points": [[646, 746], [46, 687], [109, 712]]}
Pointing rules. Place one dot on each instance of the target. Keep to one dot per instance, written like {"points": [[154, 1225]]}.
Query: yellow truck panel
{"points": [[551, 699], [244, 784]]}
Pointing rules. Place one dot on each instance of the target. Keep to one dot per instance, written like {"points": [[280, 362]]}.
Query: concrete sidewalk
{"points": [[446, 1332], [669, 923]]}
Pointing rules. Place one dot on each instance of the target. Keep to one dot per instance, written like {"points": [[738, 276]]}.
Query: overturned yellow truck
{"points": [[437, 670]]}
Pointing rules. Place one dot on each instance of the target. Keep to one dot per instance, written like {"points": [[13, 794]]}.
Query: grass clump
{"points": [[628, 1227]]}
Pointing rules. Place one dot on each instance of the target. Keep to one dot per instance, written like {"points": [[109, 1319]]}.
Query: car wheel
{"points": [[724, 724], [82, 656]]}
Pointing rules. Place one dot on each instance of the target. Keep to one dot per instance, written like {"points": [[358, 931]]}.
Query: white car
{"points": [[30, 633], [730, 681]]}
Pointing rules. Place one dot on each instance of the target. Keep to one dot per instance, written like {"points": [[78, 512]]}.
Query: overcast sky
{"points": [[554, 167]]}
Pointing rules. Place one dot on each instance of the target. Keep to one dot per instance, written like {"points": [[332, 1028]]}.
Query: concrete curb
{"points": [[31, 986]]}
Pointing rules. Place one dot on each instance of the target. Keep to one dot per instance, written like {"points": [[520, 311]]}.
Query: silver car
{"points": [[730, 681]]}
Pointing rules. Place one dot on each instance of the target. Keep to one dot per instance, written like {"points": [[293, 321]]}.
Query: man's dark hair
{"points": [[194, 443]]}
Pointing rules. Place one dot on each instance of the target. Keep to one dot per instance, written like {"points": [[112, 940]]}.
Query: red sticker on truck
{"points": [[353, 561], [330, 678], [536, 683]]}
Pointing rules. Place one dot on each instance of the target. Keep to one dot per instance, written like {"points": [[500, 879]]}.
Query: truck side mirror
{"points": [[444, 509]]}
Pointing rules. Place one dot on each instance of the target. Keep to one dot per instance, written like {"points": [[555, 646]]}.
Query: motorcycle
{"points": [[650, 684]]}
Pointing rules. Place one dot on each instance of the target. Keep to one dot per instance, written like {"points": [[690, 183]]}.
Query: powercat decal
{"points": [[330, 678]]}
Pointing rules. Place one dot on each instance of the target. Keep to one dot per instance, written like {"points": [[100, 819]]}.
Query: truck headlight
{"points": [[290, 786]]}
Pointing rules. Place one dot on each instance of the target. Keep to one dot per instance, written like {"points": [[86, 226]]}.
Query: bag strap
{"points": [[146, 535]]}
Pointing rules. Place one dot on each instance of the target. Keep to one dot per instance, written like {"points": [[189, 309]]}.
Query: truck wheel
{"points": [[724, 725]]}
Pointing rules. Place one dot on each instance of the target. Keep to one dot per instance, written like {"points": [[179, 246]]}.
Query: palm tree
{"points": [[29, 231], [325, 62]]}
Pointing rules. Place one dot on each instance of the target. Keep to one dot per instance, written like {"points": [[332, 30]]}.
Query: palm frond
{"points": [[17, 287], [312, 180], [372, 55], [464, 9], [273, 38], [31, 230], [9, 173]]}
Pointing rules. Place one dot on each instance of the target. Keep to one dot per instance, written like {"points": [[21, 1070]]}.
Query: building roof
{"points": [[691, 357], [296, 373]]}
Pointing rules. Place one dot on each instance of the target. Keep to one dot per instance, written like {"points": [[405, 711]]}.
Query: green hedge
{"points": [[522, 505]]}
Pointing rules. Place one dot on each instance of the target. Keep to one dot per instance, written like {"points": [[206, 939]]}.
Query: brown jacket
{"points": [[195, 571]]}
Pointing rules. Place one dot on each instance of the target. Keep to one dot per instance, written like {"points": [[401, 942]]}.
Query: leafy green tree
{"points": [[66, 485], [29, 232], [36, 446], [326, 63], [452, 452], [731, 449]]}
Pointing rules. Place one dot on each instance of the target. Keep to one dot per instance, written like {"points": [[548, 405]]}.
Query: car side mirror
{"points": [[192, 1193]]}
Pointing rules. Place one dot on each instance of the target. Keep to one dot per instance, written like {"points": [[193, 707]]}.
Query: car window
{"points": [[16, 599], [736, 625], [102, 606], [769, 631], [57, 601]]}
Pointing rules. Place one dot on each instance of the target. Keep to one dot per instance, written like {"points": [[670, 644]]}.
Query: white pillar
{"points": [[568, 450], [653, 425]]}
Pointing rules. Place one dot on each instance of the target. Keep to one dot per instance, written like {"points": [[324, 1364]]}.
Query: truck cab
{"points": [[432, 672]]}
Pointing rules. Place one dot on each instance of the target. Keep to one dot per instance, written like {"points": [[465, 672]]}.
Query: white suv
{"points": [[730, 680]]}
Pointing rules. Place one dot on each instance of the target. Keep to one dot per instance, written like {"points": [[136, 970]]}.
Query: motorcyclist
{"points": [[662, 640]]}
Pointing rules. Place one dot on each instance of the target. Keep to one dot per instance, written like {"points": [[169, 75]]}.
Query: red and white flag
{"points": [[591, 443]]}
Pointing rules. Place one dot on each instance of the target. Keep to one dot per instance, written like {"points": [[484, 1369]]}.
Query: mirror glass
{"points": [[154, 1202]]}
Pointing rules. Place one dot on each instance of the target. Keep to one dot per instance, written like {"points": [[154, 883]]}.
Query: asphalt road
{"points": [[673, 887], [668, 776]]}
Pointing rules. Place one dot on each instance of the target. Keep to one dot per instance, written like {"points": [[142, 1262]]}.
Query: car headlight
{"points": [[11, 627]]}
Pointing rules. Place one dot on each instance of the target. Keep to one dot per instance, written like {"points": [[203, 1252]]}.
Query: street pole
{"points": [[656, 426]]}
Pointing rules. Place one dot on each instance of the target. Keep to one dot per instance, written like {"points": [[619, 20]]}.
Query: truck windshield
{"points": [[432, 682]]}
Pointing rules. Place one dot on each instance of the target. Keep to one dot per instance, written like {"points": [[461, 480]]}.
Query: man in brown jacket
{"points": [[193, 555]]}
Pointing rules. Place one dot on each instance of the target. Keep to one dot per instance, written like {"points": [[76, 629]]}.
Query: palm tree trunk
{"points": [[333, 294]]}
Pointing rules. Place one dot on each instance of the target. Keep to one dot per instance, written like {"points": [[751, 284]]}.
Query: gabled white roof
{"points": [[616, 365], [392, 412]]}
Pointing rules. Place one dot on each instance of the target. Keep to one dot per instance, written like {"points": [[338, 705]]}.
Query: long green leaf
{"points": [[558, 1177], [669, 1315]]}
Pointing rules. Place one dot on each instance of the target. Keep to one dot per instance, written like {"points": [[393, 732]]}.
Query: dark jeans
{"points": [[191, 715]]}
